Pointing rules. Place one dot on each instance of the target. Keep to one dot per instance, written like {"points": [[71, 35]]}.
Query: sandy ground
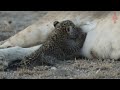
{"points": [[12, 22]]}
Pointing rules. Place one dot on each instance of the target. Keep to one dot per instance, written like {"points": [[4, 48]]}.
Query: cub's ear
{"points": [[55, 23]]}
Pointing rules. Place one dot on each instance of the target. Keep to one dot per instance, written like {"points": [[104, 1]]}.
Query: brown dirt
{"points": [[12, 22]]}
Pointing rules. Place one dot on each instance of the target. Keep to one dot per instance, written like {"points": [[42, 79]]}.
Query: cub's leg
{"points": [[29, 63]]}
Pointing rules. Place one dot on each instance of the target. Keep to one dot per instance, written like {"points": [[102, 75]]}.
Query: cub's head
{"points": [[69, 33], [68, 28]]}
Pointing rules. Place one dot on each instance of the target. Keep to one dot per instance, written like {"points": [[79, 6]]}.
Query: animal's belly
{"points": [[102, 45]]}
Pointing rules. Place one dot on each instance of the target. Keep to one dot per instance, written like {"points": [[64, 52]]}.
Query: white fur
{"points": [[104, 39]]}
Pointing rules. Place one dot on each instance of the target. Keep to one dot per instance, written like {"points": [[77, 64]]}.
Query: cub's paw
{"points": [[13, 66]]}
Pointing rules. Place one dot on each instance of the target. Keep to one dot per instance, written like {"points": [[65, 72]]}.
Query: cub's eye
{"points": [[67, 29], [64, 24]]}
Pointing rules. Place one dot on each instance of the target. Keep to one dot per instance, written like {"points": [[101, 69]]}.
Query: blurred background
{"points": [[12, 22]]}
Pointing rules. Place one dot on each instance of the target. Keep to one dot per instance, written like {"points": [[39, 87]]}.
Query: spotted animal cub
{"points": [[62, 44]]}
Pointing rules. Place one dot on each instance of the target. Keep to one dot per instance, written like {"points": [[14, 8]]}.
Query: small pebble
{"points": [[53, 68]]}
